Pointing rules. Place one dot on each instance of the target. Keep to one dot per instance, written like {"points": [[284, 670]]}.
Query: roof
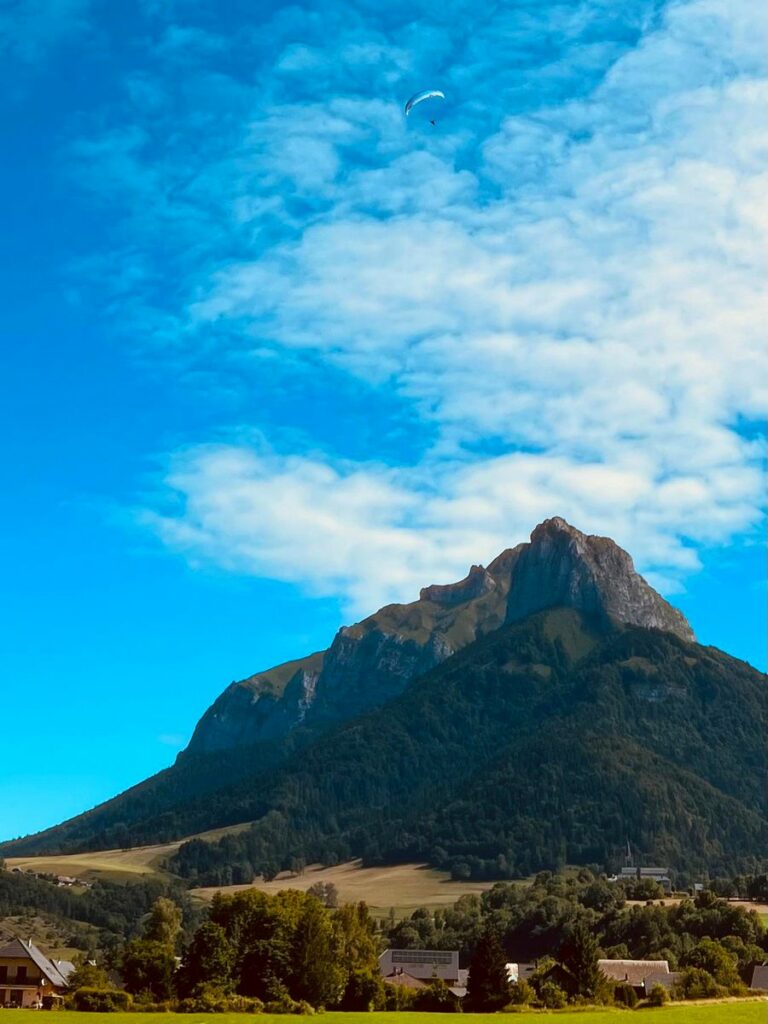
{"points": [[57, 975], [660, 978], [760, 977], [405, 979], [632, 971]]}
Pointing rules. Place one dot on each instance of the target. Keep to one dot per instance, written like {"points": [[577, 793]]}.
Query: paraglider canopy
{"points": [[419, 97]]}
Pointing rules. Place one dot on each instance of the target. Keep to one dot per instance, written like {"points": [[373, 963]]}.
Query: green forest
{"points": [[521, 754]]}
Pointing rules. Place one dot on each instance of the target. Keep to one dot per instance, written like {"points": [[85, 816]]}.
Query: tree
{"points": [[317, 973], [148, 969], [488, 982], [578, 957], [164, 923], [209, 959], [87, 975], [716, 960], [326, 892]]}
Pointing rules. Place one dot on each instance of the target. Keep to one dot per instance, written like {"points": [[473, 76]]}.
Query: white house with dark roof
{"points": [[28, 978]]}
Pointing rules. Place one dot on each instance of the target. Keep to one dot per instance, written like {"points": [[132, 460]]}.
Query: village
{"points": [[315, 951]]}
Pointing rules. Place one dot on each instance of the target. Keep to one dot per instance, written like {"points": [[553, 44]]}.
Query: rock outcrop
{"points": [[564, 567]]}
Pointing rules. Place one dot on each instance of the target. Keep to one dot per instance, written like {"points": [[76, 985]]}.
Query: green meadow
{"points": [[743, 1012]]}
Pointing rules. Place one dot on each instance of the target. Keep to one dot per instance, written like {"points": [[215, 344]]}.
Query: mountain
{"points": [[366, 664], [534, 710], [549, 741], [374, 660]]}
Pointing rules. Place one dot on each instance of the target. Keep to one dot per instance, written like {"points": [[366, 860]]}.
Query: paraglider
{"points": [[419, 97]]}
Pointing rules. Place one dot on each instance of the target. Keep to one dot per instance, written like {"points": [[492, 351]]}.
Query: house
{"points": [[423, 964], [760, 977], [28, 978], [640, 974]]}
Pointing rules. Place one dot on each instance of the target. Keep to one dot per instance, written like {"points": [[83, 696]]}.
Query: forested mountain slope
{"points": [[549, 741]]}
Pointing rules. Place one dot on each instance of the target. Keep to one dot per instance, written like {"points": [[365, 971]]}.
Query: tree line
{"points": [[295, 952]]}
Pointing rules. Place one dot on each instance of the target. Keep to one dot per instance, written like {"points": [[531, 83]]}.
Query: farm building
{"points": [[760, 977], [660, 875], [423, 964], [28, 978], [642, 975]]}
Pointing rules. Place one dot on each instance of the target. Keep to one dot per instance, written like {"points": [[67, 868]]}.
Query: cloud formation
{"points": [[563, 283]]}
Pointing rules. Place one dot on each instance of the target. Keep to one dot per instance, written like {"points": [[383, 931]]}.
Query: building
{"points": [[760, 978], [632, 874], [423, 964], [642, 975], [520, 972], [28, 978]]}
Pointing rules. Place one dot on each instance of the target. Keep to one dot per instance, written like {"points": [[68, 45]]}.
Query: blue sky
{"points": [[274, 355]]}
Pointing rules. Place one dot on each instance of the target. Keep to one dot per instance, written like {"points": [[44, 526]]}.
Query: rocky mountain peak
{"points": [[563, 566]]}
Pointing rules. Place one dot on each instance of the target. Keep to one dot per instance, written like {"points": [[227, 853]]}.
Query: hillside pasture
{"points": [[741, 1012], [114, 865], [403, 887]]}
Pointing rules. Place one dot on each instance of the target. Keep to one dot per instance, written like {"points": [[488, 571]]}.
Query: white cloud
{"points": [[375, 535], [565, 284]]}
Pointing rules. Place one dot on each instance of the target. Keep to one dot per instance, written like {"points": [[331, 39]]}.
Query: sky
{"points": [[275, 355]]}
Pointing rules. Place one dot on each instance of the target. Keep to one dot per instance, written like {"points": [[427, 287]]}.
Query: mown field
{"points": [[752, 1012], [403, 887], [115, 865]]}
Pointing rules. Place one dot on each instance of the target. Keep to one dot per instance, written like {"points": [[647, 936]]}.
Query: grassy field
{"points": [[403, 887], [117, 865], [729, 1013]]}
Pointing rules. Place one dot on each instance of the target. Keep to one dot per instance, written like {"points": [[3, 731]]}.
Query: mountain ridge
{"points": [[373, 660], [590, 593]]}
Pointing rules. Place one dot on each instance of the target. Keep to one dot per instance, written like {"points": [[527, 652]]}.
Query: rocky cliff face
{"points": [[564, 567], [369, 663]]}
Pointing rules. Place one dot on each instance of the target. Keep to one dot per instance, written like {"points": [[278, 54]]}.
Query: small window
{"points": [[3, 974], [21, 974]]}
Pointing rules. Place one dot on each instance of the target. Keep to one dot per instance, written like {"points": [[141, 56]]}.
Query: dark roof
{"points": [[57, 975]]}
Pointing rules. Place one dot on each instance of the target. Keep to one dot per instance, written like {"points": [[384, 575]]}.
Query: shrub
{"points": [[100, 1000], [551, 995], [696, 983], [398, 998], [658, 995], [625, 995], [210, 999], [521, 993], [287, 1005], [436, 998]]}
